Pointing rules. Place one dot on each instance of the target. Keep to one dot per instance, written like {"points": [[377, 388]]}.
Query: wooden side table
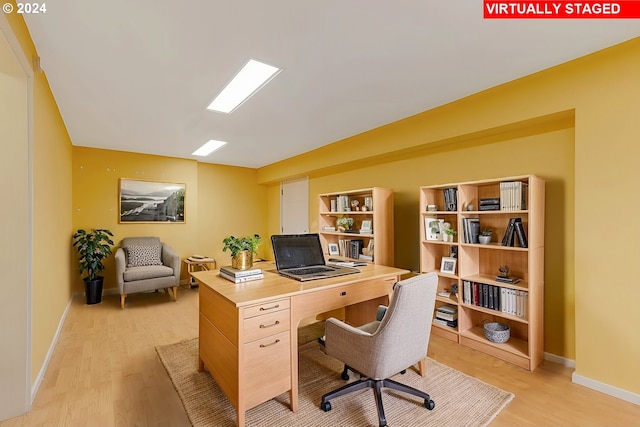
{"points": [[193, 265]]}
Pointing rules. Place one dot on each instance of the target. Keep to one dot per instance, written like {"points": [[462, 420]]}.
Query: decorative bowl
{"points": [[497, 332]]}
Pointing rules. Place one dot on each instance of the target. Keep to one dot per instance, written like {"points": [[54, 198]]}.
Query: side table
{"points": [[198, 264]]}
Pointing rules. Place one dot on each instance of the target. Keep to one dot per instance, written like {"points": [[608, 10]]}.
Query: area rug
{"points": [[460, 400]]}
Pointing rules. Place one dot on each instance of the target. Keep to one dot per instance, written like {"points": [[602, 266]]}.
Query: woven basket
{"points": [[497, 332]]}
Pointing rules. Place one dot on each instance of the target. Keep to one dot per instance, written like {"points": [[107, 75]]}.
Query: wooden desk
{"points": [[248, 331]]}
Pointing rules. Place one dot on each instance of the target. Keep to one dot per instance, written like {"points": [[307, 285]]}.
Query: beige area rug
{"points": [[460, 400]]}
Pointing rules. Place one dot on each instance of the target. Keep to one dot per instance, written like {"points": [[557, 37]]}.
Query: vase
{"points": [[242, 260], [447, 237]]}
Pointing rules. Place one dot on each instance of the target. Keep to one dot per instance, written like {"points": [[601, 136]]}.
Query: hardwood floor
{"points": [[105, 372]]}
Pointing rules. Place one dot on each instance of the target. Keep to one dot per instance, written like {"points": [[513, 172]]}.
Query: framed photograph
{"points": [[448, 265], [334, 249], [149, 201], [366, 225]]}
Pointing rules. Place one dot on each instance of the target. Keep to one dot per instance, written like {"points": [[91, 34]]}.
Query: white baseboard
{"points": [[569, 363], [36, 385], [606, 388]]}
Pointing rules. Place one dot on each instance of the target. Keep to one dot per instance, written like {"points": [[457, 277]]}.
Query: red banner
{"points": [[495, 9]]}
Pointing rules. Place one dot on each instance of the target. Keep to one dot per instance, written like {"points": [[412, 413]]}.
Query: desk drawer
{"points": [[265, 308], [267, 368], [266, 325], [341, 296]]}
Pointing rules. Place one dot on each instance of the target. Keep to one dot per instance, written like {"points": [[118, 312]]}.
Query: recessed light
{"points": [[208, 148], [248, 81]]}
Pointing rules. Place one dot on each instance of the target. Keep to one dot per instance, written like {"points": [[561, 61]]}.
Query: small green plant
{"points": [[486, 232], [238, 244], [345, 221], [93, 246], [450, 231]]}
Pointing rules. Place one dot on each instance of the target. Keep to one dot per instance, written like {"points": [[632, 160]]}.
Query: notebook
{"points": [[300, 257]]}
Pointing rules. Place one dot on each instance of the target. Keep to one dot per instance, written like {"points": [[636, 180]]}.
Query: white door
{"points": [[15, 229], [294, 206]]}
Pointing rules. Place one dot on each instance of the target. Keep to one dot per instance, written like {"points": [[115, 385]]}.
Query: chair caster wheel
{"points": [[344, 376], [404, 371], [325, 406], [429, 404]]}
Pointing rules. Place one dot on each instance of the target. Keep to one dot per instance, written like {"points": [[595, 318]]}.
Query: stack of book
{"points": [[447, 315], [490, 204], [240, 276], [514, 229], [513, 196]]}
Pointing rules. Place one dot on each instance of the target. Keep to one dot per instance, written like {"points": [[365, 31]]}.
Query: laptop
{"points": [[300, 257]]}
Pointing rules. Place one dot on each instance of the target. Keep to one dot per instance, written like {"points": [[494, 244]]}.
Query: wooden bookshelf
{"points": [[478, 263], [378, 211]]}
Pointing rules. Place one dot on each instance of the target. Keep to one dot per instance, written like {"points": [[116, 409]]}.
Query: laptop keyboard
{"points": [[309, 270]]}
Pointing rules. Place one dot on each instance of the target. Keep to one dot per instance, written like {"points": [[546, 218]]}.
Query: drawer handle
{"points": [[277, 322], [343, 293], [269, 308], [268, 345]]}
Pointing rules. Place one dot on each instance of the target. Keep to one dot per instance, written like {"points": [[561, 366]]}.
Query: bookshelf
{"points": [[519, 305], [377, 212]]}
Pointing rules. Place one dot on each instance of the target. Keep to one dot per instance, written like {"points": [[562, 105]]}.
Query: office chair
{"points": [[381, 349]]}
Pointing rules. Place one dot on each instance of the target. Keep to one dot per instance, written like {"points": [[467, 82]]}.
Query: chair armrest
{"points": [[171, 259], [121, 266]]}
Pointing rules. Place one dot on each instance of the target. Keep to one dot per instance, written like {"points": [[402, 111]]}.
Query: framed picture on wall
{"points": [[150, 201]]}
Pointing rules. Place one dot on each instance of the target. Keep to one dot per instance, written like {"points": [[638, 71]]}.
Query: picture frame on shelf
{"points": [[448, 265], [334, 249], [366, 225]]}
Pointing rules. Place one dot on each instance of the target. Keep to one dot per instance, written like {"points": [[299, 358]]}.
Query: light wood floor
{"points": [[105, 372]]}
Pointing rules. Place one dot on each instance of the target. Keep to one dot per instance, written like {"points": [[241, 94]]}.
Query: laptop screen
{"points": [[297, 250]]}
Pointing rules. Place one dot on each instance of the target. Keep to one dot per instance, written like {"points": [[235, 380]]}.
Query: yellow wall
{"points": [[230, 203], [219, 200], [600, 93], [51, 210]]}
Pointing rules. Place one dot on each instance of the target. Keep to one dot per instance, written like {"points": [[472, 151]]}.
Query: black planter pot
{"points": [[93, 290]]}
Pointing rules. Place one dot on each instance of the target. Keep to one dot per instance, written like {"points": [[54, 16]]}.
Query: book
{"points": [[474, 230], [242, 279], [495, 207], [507, 239], [447, 309], [522, 236], [445, 316], [490, 201], [509, 280], [234, 272]]}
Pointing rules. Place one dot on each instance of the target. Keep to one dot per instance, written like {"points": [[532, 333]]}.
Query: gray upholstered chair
{"points": [[381, 349], [146, 264]]}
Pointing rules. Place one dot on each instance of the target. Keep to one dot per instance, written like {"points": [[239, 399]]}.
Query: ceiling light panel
{"points": [[208, 148], [253, 76]]}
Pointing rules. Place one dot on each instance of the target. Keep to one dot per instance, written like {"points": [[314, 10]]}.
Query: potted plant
{"points": [[485, 236], [344, 223], [242, 250], [448, 234], [93, 247]]}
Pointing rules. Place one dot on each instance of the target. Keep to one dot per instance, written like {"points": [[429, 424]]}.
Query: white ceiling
{"points": [[137, 75]]}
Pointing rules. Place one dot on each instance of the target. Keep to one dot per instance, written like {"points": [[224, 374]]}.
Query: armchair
{"points": [[381, 349], [146, 264]]}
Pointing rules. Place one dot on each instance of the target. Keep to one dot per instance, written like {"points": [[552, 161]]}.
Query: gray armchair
{"points": [[381, 349], [146, 264]]}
